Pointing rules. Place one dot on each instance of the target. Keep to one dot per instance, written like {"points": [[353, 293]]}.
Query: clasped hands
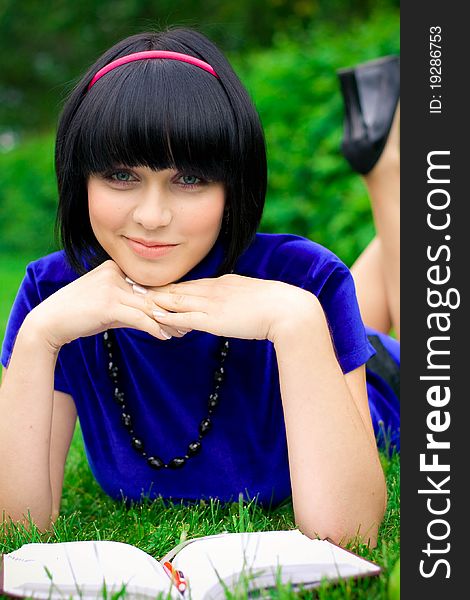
{"points": [[229, 306]]}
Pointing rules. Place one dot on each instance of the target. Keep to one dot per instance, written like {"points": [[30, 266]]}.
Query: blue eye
{"points": [[189, 179], [121, 176]]}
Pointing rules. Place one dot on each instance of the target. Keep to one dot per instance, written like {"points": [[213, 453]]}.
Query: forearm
{"points": [[26, 403], [338, 486]]}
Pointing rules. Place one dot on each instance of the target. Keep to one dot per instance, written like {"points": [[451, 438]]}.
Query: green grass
{"points": [[12, 269], [155, 527]]}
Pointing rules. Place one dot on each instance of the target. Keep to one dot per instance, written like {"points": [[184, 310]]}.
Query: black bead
{"points": [[118, 396], [219, 375], [137, 444], [126, 420], [194, 448], [205, 426], [176, 463], [155, 462], [213, 400]]}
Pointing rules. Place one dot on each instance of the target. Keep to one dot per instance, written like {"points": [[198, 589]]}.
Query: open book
{"points": [[202, 568]]}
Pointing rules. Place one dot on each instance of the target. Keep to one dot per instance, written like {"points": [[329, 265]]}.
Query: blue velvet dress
{"points": [[167, 383]]}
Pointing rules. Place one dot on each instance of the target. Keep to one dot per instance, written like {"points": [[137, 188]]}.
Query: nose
{"points": [[153, 209]]}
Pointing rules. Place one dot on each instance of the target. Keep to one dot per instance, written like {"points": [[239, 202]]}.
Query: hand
{"points": [[99, 300], [232, 306]]}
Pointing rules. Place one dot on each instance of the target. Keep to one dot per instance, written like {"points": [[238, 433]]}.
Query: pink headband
{"points": [[151, 54]]}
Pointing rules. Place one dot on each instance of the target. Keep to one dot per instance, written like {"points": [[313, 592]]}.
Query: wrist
{"points": [[36, 331], [301, 315]]}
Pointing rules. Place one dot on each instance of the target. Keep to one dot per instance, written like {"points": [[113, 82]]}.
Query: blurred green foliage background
{"points": [[285, 51]]}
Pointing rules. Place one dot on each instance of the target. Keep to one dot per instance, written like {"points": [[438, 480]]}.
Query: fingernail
{"points": [[165, 334], [182, 332], [138, 289], [158, 313], [129, 280]]}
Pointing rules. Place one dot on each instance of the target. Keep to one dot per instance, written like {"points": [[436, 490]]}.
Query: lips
{"points": [[150, 244], [149, 250]]}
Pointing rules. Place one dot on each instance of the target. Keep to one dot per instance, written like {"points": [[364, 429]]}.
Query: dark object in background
{"points": [[370, 92]]}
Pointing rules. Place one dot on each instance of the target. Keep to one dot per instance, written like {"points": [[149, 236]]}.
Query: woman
{"points": [[203, 359]]}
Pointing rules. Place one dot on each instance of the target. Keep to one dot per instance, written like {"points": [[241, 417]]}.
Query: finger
{"points": [[129, 316], [149, 306], [181, 302], [199, 287], [165, 333], [187, 286], [173, 331], [186, 320], [176, 331], [203, 286], [140, 301], [137, 289]]}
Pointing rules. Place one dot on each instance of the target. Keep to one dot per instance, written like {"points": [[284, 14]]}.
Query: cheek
{"points": [[203, 223], [206, 219], [104, 214]]}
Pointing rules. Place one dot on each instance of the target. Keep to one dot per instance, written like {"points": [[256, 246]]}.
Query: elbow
{"points": [[362, 535], [349, 523], [343, 534]]}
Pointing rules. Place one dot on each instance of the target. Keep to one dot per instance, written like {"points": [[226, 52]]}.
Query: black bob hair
{"points": [[161, 114]]}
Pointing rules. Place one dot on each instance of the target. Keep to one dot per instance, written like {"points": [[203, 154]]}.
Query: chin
{"points": [[153, 281], [152, 277]]}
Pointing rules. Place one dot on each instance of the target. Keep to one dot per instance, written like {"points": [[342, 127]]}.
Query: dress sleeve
{"points": [[27, 298], [334, 286]]}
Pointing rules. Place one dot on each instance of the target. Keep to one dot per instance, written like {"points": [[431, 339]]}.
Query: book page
{"points": [[301, 560], [81, 568]]}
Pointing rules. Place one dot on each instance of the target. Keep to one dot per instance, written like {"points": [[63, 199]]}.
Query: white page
{"points": [[229, 554], [120, 561], [27, 564], [83, 566]]}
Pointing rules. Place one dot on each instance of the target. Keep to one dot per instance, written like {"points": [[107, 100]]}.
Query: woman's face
{"points": [[156, 225]]}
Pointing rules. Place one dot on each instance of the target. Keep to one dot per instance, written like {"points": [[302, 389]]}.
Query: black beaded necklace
{"points": [[204, 427]]}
